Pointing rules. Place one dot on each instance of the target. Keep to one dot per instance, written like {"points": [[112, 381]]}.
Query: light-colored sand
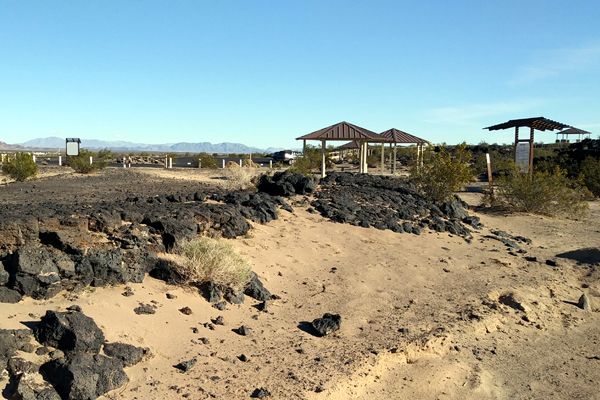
{"points": [[460, 342]]}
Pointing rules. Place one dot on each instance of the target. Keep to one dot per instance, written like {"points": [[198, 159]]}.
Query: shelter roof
{"points": [[539, 123], [344, 131], [574, 131], [399, 136]]}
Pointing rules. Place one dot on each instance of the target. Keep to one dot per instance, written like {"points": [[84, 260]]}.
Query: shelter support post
{"points": [[323, 158], [394, 160], [366, 157], [304, 147], [531, 151], [382, 157], [516, 142], [422, 150]]}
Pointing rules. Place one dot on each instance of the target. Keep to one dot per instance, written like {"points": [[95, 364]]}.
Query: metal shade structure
{"points": [[523, 148], [398, 136], [572, 131], [344, 131]]}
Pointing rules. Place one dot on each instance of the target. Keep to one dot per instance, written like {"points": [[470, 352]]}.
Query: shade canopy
{"points": [[344, 131], [353, 145], [574, 131], [539, 123], [398, 136]]}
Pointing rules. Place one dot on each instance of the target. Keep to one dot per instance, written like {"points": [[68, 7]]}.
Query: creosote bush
{"points": [[443, 173], [589, 174], [81, 163], [207, 161], [546, 193], [20, 167], [310, 161], [206, 259]]}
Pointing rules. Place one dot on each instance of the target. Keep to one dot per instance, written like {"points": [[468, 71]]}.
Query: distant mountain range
{"points": [[6, 146], [182, 147]]}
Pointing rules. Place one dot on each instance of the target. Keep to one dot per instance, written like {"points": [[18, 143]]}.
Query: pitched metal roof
{"points": [[399, 136], [539, 123], [353, 145], [344, 131], [573, 131]]}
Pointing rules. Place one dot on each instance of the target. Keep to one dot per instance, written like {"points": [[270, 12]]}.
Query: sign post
{"points": [[489, 168]]}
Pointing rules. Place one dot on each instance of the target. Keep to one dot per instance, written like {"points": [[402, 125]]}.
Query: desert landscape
{"points": [[455, 301]]}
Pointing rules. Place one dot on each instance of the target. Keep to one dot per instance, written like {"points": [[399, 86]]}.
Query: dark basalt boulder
{"points": [[327, 324], [128, 354], [286, 183], [8, 295], [70, 331], [84, 376], [255, 289], [11, 341]]}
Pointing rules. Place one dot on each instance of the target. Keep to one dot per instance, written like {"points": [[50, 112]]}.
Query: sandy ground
{"points": [[421, 317]]}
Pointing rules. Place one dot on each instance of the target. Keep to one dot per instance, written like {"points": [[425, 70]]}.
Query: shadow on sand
{"points": [[588, 255]]}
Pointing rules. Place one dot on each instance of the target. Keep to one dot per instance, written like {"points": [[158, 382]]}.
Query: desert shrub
{"points": [[310, 161], [589, 174], [443, 173], [238, 178], [208, 161], [81, 163], [21, 167], [206, 259], [546, 193]]}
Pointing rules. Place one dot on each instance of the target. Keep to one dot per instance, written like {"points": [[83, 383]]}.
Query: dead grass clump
{"points": [[238, 178], [206, 259]]}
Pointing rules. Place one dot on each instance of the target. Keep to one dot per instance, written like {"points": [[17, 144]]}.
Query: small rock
{"points": [[243, 358], [74, 307], [530, 258], [186, 310], [185, 366], [128, 354], [128, 292], [221, 305], [144, 309], [242, 330], [218, 321], [42, 351], [584, 302], [327, 324], [552, 263], [262, 306], [171, 296], [8, 295], [260, 393]]}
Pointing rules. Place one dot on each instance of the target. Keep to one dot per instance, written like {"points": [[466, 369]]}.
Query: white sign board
{"points": [[522, 156], [72, 148]]}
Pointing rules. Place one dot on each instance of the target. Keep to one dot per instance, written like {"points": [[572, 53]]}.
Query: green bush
{"points": [[589, 174], [546, 193], [310, 161], [207, 161], [21, 167], [81, 163], [443, 173], [209, 260]]}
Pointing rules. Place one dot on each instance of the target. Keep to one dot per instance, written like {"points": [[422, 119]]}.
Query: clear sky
{"points": [[264, 72]]}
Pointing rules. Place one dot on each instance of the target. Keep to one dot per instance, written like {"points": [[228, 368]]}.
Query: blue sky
{"points": [[265, 72]]}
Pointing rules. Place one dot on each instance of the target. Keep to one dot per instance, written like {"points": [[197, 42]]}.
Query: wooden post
{"points": [[90, 160], [166, 162], [382, 156], [59, 160], [531, 151], [516, 142], [394, 160], [489, 168], [199, 163], [223, 162], [170, 162], [304, 147], [322, 158], [422, 151]]}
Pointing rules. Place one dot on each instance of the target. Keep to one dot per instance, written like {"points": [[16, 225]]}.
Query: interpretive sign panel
{"points": [[522, 156]]}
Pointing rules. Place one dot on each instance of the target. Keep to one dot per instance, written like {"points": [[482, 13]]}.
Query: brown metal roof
{"points": [[344, 131], [573, 131], [353, 145], [539, 123], [399, 136]]}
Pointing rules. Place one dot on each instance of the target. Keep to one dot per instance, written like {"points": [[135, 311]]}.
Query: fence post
{"points": [[60, 161], [166, 162], [199, 163], [170, 162], [91, 160], [33, 156], [240, 162], [271, 164], [223, 163]]}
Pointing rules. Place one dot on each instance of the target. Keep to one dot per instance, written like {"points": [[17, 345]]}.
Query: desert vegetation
{"points": [[20, 167]]}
